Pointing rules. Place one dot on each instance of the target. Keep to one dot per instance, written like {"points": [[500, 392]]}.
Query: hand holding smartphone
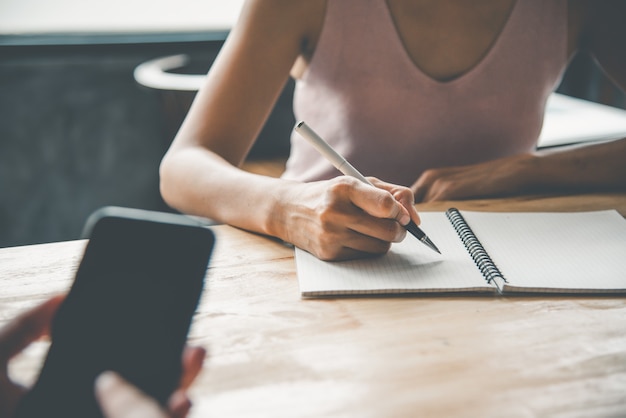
{"points": [[129, 310]]}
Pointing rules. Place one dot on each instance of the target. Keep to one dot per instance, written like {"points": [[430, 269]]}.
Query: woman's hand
{"points": [[500, 177], [344, 218], [578, 168]]}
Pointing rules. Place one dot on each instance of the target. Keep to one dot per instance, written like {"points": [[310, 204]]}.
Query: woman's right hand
{"points": [[343, 218]]}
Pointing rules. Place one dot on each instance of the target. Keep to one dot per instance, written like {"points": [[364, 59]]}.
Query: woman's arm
{"points": [[199, 174], [597, 28], [598, 167]]}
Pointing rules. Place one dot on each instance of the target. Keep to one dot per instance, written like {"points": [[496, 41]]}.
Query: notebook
{"points": [[501, 253]]}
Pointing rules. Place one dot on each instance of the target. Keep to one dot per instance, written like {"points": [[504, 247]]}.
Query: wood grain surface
{"points": [[273, 354]]}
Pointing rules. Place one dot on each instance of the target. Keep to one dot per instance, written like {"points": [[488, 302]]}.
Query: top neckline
{"points": [[482, 61]]}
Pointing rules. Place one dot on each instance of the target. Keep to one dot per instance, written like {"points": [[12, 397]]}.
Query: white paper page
{"points": [[581, 251], [409, 266]]}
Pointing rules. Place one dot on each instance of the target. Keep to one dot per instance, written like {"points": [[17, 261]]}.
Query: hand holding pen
{"points": [[346, 168]]}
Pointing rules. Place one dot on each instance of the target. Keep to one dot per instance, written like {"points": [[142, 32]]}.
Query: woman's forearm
{"points": [[199, 182], [597, 167], [593, 167], [341, 218]]}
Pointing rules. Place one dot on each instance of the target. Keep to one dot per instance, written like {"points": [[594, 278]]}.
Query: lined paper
{"points": [[583, 251], [536, 252], [408, 267]]}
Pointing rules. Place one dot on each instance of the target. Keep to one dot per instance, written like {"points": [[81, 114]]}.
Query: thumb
{"points": [[120, 399]]}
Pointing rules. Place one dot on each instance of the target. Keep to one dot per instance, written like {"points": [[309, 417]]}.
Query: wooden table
{"points": [[273, 354]]}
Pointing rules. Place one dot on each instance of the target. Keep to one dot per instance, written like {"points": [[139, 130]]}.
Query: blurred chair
{"points": [[177, 78]]}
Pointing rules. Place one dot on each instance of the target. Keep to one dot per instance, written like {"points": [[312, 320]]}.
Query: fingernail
{"points": [[106, 380]]}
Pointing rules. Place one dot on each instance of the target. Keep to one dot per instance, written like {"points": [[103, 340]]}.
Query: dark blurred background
{"points": [[78, 132]]}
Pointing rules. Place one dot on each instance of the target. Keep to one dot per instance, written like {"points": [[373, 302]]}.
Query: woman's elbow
{"points": [[167, 180]]}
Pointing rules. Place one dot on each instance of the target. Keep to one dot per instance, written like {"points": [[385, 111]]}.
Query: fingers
{"points": [[193, 358], [356, 218], [437, 184], [119, 399], [352, 205], [27, 327], [348, 232], [419, 189], [179, 404], [491, 178], [403, 195], [432, 185], [375, 201], [344, 218]]}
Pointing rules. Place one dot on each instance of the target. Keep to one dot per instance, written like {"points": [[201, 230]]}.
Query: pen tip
{"points": [[430, 244]]}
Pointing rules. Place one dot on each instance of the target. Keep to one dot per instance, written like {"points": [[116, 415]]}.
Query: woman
{"points": [[444, 99]]}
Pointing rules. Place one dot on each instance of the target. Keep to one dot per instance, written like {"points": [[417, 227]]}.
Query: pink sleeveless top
{"points": [[365, 96]]}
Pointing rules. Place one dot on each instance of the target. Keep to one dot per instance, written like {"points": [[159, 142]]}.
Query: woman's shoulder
{"points": [[302, 17]]}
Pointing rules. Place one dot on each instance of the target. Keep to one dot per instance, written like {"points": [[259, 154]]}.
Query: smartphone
{"points": [[129, 310]]}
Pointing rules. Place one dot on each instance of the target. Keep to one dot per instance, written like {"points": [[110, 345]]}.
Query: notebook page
{"points": [[408, 267], [576, 252]]}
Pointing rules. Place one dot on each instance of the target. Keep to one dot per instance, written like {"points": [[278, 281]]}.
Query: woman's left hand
{"points": [[492, 178]]}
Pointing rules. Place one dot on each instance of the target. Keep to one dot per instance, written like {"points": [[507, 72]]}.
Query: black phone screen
{"points": [[129, 310]]}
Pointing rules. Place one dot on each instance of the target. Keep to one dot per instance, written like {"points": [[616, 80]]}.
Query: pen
{"points": [[346, 168]]}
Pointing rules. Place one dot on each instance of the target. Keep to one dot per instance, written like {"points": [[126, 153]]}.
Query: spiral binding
{"points": [[474, 247]]}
